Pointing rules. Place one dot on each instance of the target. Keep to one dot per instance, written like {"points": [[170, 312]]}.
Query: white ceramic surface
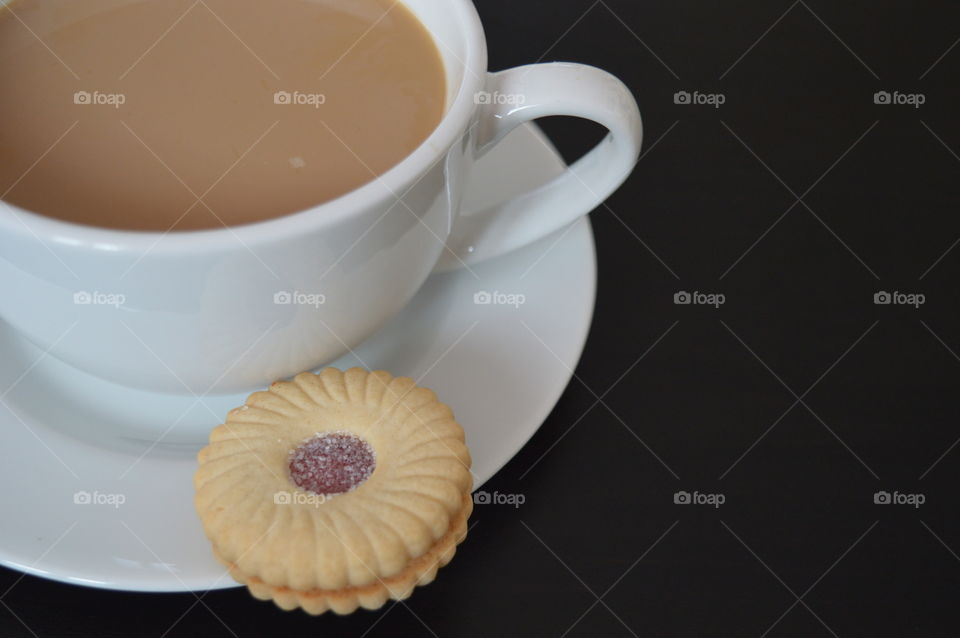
{"points": [[502, 368], [200, 311]]}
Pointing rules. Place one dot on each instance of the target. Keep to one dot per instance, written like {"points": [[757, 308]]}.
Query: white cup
{"points": [[236, 308]]}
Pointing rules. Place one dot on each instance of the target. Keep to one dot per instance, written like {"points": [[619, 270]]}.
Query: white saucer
{"points": [[501, 368]]}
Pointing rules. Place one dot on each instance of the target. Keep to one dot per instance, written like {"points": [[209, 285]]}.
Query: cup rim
{"points": [[448, 132]]}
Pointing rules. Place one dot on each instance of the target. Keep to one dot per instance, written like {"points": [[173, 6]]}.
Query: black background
{"points": [[797, 399]]}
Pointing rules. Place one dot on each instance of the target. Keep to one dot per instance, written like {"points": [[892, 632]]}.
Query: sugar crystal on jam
{"points": [[332, 463]]}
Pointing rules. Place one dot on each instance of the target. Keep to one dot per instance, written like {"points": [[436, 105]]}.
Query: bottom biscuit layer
{"points": [[420, 571]]}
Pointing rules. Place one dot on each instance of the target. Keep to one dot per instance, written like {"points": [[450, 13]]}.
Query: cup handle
{"points": [[526, 93]]}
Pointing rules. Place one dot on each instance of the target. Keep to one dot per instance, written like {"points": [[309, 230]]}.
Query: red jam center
{"points": [[332, 463]]}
